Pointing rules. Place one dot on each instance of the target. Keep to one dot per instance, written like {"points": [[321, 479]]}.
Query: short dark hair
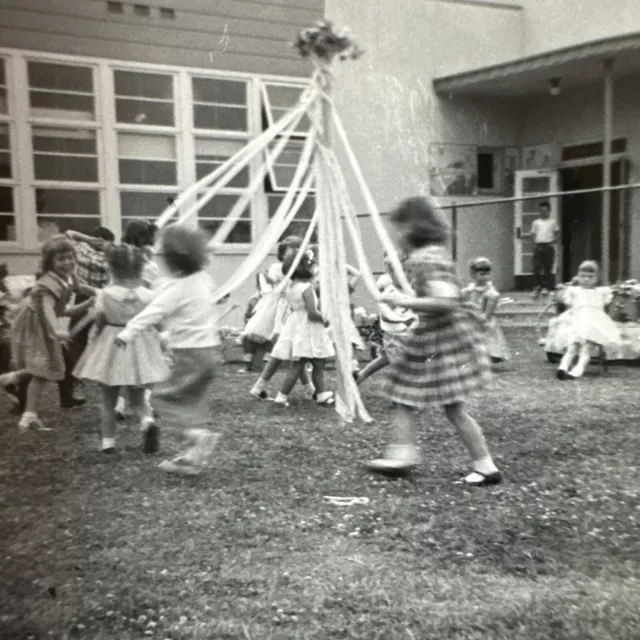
{"points": [[125, 261], [104, 234], [53, 247], [427, 224], [290, 242], [184, 249], [139, 233], [545, 205], [304, 270]]}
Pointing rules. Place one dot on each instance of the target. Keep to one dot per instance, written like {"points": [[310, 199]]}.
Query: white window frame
{"points": [[107, 129], [13, 182], [94, 125]]}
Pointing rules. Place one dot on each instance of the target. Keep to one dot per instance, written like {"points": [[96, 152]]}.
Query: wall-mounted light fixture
{"points": [[554, 86]]}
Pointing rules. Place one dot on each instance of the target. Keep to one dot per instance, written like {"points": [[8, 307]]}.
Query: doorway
{"points": [[581, 220]]}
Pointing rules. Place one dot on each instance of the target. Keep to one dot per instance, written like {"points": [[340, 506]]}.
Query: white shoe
{"points": [[398, 458], [31, 422]]}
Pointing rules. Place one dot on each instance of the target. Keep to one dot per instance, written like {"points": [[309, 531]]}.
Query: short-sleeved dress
{"points": [[34, 346], [142, 362], [481, 296], [585, 320], [443, 357], [301, 338]]}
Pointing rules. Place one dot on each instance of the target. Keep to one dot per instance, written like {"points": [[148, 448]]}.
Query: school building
{"points": [[109, 109]]}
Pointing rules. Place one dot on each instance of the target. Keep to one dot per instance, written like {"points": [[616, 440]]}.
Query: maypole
{"points": [[323, 44]]}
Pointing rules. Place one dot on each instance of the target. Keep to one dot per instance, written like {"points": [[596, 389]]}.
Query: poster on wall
{"points": [[543, 156], [512, 163], [452, 170]]}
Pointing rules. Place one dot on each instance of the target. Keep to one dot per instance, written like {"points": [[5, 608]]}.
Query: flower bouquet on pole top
{"points": [[324, 42]]}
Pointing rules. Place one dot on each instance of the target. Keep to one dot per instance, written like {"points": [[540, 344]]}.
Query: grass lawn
{"points": [[97, 547]]}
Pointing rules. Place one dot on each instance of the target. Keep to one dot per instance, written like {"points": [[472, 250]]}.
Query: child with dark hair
{"points": [[442, 358], [304, 336], [135, 368], [38, 335], [183, 305]]}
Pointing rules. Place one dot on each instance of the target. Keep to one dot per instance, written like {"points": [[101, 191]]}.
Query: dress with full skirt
{"points": [[300, 338], [481, 297], [584, 321], [142, 362]]}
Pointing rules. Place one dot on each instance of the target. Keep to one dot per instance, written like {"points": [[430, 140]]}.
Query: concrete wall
{"points": [[391, 113], [232, 35], [576, 116], [552, 24]]}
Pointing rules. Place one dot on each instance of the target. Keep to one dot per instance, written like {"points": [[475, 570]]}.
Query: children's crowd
{"points": [[141, 326]]}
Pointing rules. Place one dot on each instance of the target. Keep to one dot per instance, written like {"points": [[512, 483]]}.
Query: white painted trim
{"points": [[149, 67], [26, 226], [592, 160], [111, 214]]}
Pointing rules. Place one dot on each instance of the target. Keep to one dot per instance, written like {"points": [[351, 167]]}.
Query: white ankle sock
{"points": [[281, 398], [485, 465], [259, 385], [108, 443], [121, 405]]}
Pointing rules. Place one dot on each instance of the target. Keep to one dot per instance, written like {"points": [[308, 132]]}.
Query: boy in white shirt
{"points": [[545, 233]]}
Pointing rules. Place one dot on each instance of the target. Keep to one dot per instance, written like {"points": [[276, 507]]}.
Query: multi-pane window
{"points": [[144, 98], [302, 218], [221, 125], [4, 93], [277, 100], [7, 203], [147, 144], [65, 149], [220, 104], [61, 91]]}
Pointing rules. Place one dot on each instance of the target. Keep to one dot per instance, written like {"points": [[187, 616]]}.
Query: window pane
{"points": [[4, 103], [3, 77], [143, 85], [136, 204], [66, 141], [222, 118], [240, 234], [5, 155], [68, 202], [147, 172], [283, 96], [144, 112], [147, 159], [536, 185], [219, 91], [285, 164], [68, 106], [305, 212], [211, 153], [51, 225], [220, 206], [65, 154], [45, 75], [7, 222]]}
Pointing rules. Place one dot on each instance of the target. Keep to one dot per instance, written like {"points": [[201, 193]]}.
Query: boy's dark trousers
{"points": [[544, 256]]}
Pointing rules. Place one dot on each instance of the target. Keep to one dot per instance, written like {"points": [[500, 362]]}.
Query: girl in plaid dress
{"points": [[442, 358], [38, 333]]}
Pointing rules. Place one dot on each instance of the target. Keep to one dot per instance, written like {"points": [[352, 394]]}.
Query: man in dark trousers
{"points": [[545, 233]]}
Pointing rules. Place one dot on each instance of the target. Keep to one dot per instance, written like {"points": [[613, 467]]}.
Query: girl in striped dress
{"points": [[442, 358], [132, 369]]}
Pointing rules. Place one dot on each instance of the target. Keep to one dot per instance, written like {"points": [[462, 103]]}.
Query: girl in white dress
{"points": [[114, 369], [485, 297], [585, 323], [303, 338]]}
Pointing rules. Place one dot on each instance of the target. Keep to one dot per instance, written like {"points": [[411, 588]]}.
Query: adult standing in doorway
{"points": [[545, 233]]}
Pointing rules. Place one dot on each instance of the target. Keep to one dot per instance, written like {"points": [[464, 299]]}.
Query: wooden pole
{"points": [[606, 170]]}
